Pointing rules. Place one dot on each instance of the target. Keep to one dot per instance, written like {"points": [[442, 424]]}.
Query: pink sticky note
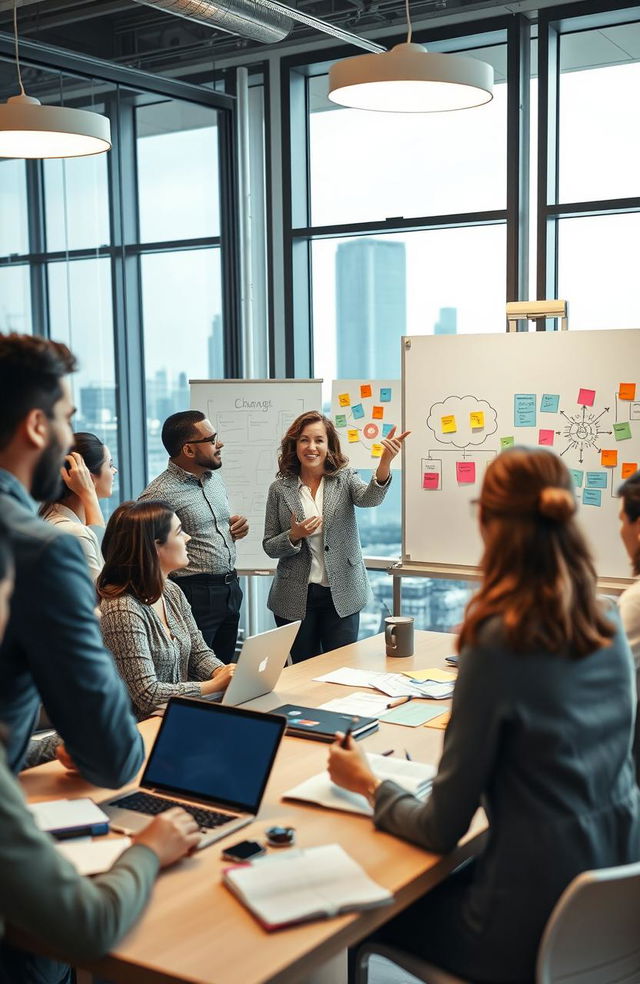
{"points": [[430, 480], [586, 397], [545, 437], [465, 472]]}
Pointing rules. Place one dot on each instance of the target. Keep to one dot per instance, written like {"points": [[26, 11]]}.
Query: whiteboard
{"points": [[576, 393], [251, 416], [364, 411]]}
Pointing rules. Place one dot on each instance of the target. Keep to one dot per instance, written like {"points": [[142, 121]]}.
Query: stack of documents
{"points": [[317, 883], [392, 684], [70, 818]]}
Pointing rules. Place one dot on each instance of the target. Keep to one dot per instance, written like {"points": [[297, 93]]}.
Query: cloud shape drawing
{"points": [[461, 407]]}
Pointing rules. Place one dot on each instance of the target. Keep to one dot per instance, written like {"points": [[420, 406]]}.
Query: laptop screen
{"points": [[214, 753]]}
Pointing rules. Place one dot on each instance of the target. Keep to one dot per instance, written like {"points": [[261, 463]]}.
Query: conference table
{"points": [[194, 930]]}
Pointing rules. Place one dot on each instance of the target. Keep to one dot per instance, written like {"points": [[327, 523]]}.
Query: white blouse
{"points": [[313, 507], [66, 520]]}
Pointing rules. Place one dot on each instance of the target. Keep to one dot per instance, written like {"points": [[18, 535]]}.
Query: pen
{"points": [[388, 752], [345, 741], [399, 701]]}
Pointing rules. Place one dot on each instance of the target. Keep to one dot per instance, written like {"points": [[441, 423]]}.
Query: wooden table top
{"points": [[194, 930]]}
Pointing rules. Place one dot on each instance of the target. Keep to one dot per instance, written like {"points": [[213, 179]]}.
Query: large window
{"points": [[15, 298]]}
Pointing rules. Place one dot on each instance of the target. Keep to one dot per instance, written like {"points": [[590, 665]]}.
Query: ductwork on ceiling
{"points": [[243, 17]]}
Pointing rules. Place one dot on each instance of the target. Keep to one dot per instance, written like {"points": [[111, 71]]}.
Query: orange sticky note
{"points": [[344, 399], [627, 391], [353, 435], [440, 722], [365, 390], [376, 450], [609, 459], [628, 468], [377, 413]]}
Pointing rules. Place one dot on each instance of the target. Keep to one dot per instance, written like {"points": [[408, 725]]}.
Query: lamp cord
{"points": [[15, 37], [409, 27]]}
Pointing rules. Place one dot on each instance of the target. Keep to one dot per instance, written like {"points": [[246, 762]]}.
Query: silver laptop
{"points": [[211, 760], [259, 666]]}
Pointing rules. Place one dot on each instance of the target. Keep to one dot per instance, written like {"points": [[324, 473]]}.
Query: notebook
{"points": [[321, 725], [415, 777], [297, 886], [260, 664], [70, 817], [213, 761]]}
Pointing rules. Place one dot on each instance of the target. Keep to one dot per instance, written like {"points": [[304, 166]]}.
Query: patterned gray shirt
{"points": [[153, 666], [203, 509]]}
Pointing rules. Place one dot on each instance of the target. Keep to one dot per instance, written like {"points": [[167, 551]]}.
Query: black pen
{"points": [[345, 741]]}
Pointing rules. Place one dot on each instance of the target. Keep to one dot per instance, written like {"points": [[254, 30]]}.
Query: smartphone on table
{"points": [[242, 851]]}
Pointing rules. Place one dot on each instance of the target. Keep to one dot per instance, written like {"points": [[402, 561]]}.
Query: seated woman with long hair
{"points": [[146, 620], [540, 734]]}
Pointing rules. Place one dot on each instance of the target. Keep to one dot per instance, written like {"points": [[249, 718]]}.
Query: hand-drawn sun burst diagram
{"points": [[582, 431]]}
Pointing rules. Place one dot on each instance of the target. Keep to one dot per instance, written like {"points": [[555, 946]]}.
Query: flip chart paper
{"points": [[586, 397]]}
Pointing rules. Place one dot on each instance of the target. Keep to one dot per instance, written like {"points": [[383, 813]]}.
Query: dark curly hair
{"points": [[288, 464]]}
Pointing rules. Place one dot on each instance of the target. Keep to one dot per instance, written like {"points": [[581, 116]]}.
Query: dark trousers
{"points": [[322, 628], [216, 609], [20, 967]]}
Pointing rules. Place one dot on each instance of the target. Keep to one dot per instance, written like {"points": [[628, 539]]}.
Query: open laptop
{"points": [[213, 761], [259, 666]]}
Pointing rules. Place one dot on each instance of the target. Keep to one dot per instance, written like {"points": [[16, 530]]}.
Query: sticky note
{"points": [[609, 459], [365, 391], [386, 429], [627, 391], [430, 480], [385, 394], [476, 419], [628, 468], [341, 420], [524, 410], [353, 435], [448, 424], [377, 413], [592, 497], [376, 450], [577, 477], [465, 472], [545, 437], [597, 480], [586, 397], [622, 431], [344, 399], [440, 722], [506, 442], [549, 403], [357, 410]]}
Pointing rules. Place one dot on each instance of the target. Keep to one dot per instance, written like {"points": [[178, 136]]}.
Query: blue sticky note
{"points": [[357, 410], [597, 480], [385, 394], [524, 410], [386, 429], [591, 497], [577, 477], [549, 403]]}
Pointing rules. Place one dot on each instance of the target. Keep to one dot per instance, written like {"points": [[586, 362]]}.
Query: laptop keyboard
{"points": [[146, 803]]}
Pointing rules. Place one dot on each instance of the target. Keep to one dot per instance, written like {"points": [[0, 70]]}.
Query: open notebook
{"points": [[316, 883]]}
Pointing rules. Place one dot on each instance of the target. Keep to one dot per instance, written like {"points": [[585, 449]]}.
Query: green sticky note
{"points": [[506, 442], [341, 420], [622, 431], [412, 714]]}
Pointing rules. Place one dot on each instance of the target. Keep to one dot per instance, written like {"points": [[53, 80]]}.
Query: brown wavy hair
{"points": [[131, 564], [288, 464], [629, 492], [538, 573]]}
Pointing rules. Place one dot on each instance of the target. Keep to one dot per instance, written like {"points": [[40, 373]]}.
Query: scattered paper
{"points": [[432, 673], [365, 704], [347, 676]]}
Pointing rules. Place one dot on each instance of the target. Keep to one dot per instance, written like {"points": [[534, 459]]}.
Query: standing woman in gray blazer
{"points": [[310, 527]]}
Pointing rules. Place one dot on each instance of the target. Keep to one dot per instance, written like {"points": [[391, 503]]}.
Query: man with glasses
{"points": [[192, 487]]}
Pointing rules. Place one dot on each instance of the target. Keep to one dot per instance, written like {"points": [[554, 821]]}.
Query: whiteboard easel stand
{"points": [[536, 311]]}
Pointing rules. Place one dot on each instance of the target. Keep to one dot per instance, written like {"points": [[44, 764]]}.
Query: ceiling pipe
{"points": [[242, 17]]}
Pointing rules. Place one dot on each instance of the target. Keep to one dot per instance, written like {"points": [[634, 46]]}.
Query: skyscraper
{"points": [[447, 323], [215, 344], [371, 308]]}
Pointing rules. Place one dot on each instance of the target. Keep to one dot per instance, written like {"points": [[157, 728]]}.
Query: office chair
{"points": [[591, 937]]}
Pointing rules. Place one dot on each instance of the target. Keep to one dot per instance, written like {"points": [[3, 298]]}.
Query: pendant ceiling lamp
{"points": [[30, 130], [410, 79]]}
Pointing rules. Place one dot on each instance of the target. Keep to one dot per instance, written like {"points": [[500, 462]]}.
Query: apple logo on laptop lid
{"points": [[263, 665]]}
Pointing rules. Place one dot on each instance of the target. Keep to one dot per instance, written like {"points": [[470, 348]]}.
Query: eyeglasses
{"points": [[204, 440]]}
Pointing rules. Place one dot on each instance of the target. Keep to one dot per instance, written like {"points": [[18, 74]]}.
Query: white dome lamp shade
{"points": [[410, 79], [31, 130]]}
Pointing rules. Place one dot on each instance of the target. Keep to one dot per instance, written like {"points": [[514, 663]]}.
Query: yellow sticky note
{"points": [[476, 419], [353, 435], [344, 399], [440, 676], [629, 468], [365, 391], [449, 425], [377, 413], [627, 391], [440, 722], [376, 450], [609, 459]]}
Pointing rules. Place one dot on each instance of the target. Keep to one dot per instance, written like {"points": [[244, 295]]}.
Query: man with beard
{"points": [[53, 650], [191, 485]]}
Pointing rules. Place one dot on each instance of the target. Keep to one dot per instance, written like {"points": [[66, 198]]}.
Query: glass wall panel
{"points": [[177, 156], [81, 316], [15, 299], [76, 203], [182, 316], [14, 230], [369, 166]]}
